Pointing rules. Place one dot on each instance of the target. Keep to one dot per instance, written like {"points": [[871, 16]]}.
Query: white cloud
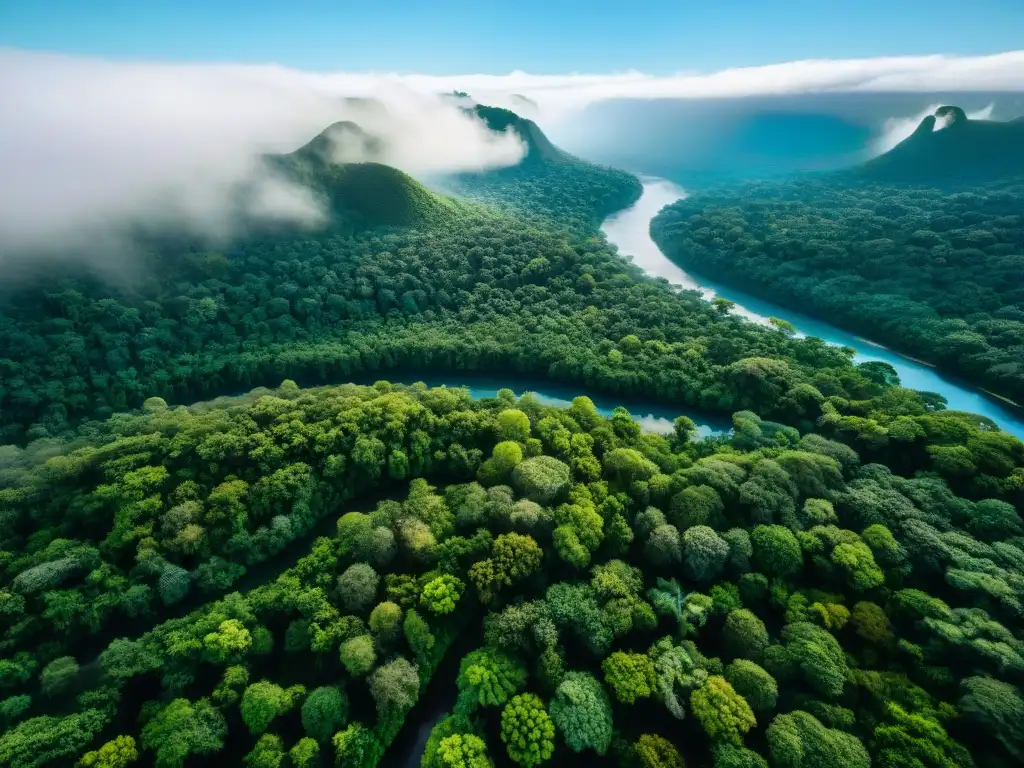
{"points": [[556, 94], [87, 145]]}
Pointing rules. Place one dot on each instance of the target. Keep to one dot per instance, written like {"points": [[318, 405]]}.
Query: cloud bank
{"points": [[558, 94], [88, 147]]}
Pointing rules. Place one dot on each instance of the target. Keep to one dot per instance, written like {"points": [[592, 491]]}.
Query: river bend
{"points": [[630, 231]]}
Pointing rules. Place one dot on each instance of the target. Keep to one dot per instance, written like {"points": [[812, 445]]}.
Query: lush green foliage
{"points": [[357, 587], [484, 290], [357, 746], [527, 730], [358, 654], [844, 627], [305, 753], [548, 180], [184, 728], [630, 676], [487, 678], [745, 634], [116, 753], [722, 712], [583, 713], [653, 751], [324, 712], [754, 684], [262, 702], [268, 752], [442, 594], [799, 740], [463, 751]]}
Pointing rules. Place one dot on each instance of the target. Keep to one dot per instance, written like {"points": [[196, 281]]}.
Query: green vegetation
{"points": [[838, 582], [360, 195], [548, 183], [926, 271], [527, 731], [883, 624], [486, 291]]}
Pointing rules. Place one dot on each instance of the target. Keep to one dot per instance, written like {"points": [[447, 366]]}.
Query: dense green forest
{"points": [[278, 578], [767, 598], [531, 288], [549, 181], [932, 272], [402, 278]]}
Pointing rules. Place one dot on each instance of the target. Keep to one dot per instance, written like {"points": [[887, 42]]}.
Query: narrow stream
{"points": [[630, 231], [652, 417]]}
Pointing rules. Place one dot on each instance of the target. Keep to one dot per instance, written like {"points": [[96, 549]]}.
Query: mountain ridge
{"points": [[703, 142], [539, 147], [950, 147], [548, 180]]}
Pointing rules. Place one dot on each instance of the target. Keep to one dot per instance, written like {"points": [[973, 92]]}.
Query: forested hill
{"points": [[933, 274], [539, 147], [548, 181], [361, 194], [960, 151]]}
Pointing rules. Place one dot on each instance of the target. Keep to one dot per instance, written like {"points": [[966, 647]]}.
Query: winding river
{"points": [[651, 417], [630, 231]]}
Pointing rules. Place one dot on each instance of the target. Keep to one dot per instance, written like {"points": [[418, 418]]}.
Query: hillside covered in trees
{"points": [[772, 598], [933, 272], [359, 195], [526, 285], [548, 181]]}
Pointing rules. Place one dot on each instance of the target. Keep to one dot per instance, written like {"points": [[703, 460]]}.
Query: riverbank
{"points": [[629, 230]]}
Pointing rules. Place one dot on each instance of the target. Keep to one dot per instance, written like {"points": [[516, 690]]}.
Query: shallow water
{"points": [[630, 231]]}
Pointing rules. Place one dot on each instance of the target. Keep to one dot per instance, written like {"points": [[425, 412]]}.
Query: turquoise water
{"points": [[651, 417], [630, 231]]}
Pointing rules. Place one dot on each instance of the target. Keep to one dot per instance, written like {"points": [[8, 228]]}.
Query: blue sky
{"points": [[540, 36]]}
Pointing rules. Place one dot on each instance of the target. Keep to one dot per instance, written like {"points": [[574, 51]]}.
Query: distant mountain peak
{"points": [[343, 142], [940, 119], [950, 115], [948, 147], [539, 146], [340, 166], [927, 125]]}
